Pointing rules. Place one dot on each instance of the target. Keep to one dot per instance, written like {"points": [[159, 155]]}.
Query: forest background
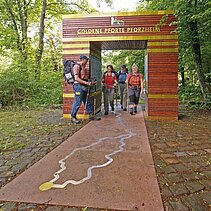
{"points": [[31, 50]]}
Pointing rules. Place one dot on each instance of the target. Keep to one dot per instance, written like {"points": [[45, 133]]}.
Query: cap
{"points": [[83, 57], [123, 66]]}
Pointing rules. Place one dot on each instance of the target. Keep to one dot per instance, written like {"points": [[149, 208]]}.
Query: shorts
{"points": [[134, 96]]}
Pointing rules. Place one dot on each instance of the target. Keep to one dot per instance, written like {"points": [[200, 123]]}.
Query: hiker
{"points": [[81, 88], [109, 85], [135, 88], [121, 78]]}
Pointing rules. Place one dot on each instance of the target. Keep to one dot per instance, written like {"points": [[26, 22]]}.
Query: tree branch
{"points": [[12, 16], [23, 18]]}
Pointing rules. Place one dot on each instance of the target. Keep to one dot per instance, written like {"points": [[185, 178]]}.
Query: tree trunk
{"points": [[196, 48], [12, 16], [55, 57], [39, 50], [22, 9], [183, 77], [25, 28]]}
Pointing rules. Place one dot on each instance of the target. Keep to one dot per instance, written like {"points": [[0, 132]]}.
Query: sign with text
{"points": [[112, 30]]}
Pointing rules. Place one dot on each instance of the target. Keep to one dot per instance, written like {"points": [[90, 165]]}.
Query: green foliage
{"points": [[19, 88], [191, 97], [47, 91], [128, 57], [13, 86], [189, 93], [17, 69], [19, 38], [190, 13]]}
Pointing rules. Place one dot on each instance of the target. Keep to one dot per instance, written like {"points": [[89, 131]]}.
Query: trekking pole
{"points": [[116, 88], [114, 112], [87, 95], [94, 102]]}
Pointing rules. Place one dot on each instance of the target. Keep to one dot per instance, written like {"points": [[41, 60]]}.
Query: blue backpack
{"points": [[121, 73]]}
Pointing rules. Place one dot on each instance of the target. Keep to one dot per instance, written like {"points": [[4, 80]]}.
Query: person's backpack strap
{"points": [[106, 73], [80, 68], [113, 75], [104, 76], [118, 74], [121, 73], [130, 78]]}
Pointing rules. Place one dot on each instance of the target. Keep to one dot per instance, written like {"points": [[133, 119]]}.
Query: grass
{"points": [[17, 127]]}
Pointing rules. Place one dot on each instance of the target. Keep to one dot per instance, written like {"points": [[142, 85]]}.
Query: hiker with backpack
{"points": [[135, 88], [109, 81], [121, 78], [81, 86]]}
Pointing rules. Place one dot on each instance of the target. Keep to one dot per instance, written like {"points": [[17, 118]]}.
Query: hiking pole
{"points": [[95, 102], [114, 112], [92, 82], [116, 89], [87, 95], [128, 101]]}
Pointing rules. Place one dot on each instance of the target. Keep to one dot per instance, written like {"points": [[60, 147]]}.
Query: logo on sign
{"points": [[117, 21]]}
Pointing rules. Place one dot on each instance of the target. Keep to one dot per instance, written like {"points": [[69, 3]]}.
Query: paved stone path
{"points": [[182, 156], [181, 152], [38, 140], [125, 184]]}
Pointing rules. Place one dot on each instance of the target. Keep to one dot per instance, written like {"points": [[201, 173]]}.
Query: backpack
{"points": [[113, 73], [131, 77], [120, 73], [68, 71]]}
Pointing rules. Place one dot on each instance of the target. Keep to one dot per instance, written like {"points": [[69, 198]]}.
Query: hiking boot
{"points": [[135, 110], [75, 121], [131, 111], [91, 117], [94, 118], [124, 109], [106, 113]]}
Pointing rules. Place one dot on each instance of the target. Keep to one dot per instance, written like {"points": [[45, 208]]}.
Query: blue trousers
{"points": [[80, 96]]}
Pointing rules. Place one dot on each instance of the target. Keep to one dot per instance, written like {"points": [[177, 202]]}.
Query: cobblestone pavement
{"points": [[181, 152], [182, 156], [45, 131], [29, 143]]}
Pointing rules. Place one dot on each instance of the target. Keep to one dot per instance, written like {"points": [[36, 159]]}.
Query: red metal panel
{"points": [[70, 26], [162, 66]]}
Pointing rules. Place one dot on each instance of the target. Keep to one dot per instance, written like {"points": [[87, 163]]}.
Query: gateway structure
{"points": [[153, 32]]}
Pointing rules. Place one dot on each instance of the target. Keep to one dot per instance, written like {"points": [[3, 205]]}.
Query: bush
{"points": [[47, 91], [18, 88], [189, 93], [12, 88], [191, 96]]}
